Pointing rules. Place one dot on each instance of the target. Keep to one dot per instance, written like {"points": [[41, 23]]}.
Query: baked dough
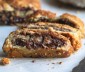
{"points": [[72, 21], [37, 43], [19, 8], [74, 35], [10, 18]]}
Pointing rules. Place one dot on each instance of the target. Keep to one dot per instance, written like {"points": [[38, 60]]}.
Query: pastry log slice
{"points": [[72, 21], [36, 16], [37, 43], [16, 10], [71, 33]]}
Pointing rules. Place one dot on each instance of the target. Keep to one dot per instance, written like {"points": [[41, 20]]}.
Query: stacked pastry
{"points": [[42, 34]]}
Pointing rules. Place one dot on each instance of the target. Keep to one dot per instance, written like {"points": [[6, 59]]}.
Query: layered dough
{"points": [[41, 33], [11, 5], [12, 11], [37, 43], [71, 33], [11, 18], [72, 21]]}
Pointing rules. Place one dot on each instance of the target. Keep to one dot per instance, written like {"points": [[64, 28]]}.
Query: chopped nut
{"points": [[5, 61]]}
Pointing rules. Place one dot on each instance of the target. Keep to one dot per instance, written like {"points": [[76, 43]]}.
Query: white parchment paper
{"points": [[43, 65]]}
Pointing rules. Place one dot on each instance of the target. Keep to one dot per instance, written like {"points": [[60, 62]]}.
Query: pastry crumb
{"points": [[53, 63], [5, 61], [59, 62], [33, 61]]}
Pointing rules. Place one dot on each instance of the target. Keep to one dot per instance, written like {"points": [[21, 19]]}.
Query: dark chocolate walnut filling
{"points": [[39, 41], [10, 18], [66, 21]]}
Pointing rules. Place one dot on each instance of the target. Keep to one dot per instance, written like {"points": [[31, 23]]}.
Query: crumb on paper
{"points": [[53, 63], [33, 61], [5, 61], [59, 62]]}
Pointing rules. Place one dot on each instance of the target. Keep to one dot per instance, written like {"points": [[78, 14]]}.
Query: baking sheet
{"points": [[43, 64]]}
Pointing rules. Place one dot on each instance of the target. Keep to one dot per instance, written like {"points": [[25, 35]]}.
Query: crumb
{"points": [[33, 61], [5, 61], [59, 62], [53, 63]]}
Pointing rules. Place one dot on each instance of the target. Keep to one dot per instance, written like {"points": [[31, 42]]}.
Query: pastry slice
{"points": [[37, 43], [15, 10], [37, 16], [72, 21], [71, 33], [19, 7], [41, 16]]}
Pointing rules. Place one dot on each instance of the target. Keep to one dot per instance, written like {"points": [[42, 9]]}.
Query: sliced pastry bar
{"points": [[37, 43], [37, 16], [72, 21], [41, 16], [14, 10], [71, 33]]}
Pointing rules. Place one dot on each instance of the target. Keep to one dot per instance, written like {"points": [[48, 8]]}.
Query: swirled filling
{"points": [[36, 40]]}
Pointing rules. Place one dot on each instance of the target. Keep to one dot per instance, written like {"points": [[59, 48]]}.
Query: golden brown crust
{"points": [[72, 34], [63, 51], [18, 53], [24, 3], [43, 13], [5, 61], [75, 22]]}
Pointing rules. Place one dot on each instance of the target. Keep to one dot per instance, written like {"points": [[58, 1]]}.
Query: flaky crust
{"points": [[19, 4], [74, 35], [75, 21], [63, 51], [43, 13], [20, 17]]}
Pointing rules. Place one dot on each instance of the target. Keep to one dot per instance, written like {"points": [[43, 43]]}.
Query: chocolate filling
{"points": [[39, 41], [66, 21], [8, 18]]}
